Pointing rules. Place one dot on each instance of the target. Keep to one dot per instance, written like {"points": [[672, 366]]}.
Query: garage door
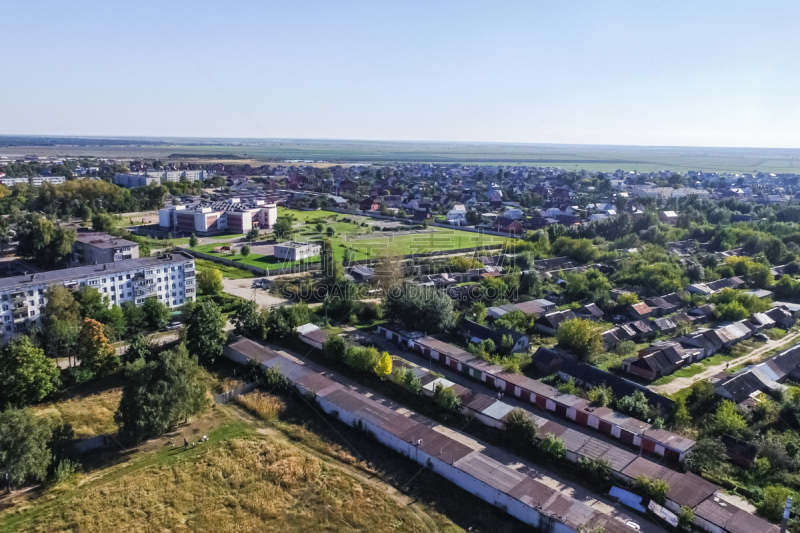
{"points": [[561, 410], [490, 380], [626, 436], [525, 395], [510, 388], [541, 401], [605, 427], [671, 455], [581, 418]]}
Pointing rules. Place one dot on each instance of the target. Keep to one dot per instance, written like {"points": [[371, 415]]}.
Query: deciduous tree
{"points": [[205, 332], [24, 454], [26, 374], [209, 281]]}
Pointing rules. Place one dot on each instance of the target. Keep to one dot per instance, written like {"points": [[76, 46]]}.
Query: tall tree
{"points": [[96, 353], [138, 348], [155, 314], [26, 374], [249, 321], [205, 332], [209, 281], [62, 322], [24, 453], [159, 394], [93, 305]]}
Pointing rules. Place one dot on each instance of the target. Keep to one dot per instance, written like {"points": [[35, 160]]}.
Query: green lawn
{"points": [[696, 368], [223, 237], [256, 260], [227, 271]]}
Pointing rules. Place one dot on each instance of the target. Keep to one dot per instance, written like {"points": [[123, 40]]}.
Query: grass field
{"points": [[271, 473], [227, 271], [572, 157], [90, 414]]}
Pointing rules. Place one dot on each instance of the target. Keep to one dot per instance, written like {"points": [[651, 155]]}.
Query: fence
{"points": [[225, 397]]}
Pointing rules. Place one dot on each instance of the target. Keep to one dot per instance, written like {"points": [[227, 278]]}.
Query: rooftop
{"points": [[67, 274]]}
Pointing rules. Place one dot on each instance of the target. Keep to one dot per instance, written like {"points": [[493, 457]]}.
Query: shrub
{"points": [[445, 397], [521, 428], [597, 469], [553, 445], [655, 489], [625, 348], [601, 395], [568, 387], [635, 405], [406, 378]]}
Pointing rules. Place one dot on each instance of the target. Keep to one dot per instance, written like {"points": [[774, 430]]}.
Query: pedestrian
{"points": [[185, 444]]}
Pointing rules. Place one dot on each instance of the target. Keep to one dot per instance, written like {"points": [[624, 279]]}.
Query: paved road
{"points": [[549, 478], [244, 288], [754, 356]]}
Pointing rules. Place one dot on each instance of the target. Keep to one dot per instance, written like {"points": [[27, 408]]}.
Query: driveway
{"points": [[245, 288], [754, 356]]}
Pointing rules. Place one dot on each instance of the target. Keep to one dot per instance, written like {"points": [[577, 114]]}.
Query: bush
{"points": [[406, 379], [553, 445], [521, 428], [625, 348], [445, 397], [635, 405], [568, 387], [773, 500], [597, 469], [601, 395], [361, 358], [65, 469], [655, 489]]}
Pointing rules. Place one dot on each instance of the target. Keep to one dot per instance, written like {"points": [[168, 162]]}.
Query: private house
{"points": [[528, 308], [589, 312], [639, 311], [549, 323], [457, 215], [668, 217], [782, 317], [508, 225], [661, 306], [548, 360], [312, 335], [661, 359]]}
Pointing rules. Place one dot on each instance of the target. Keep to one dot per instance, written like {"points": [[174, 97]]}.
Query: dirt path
{"points": [[681, 383]]}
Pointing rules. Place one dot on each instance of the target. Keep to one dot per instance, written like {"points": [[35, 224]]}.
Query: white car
{"points": [[632, 525]]}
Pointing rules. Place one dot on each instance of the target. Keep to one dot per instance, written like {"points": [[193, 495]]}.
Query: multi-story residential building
{"points": [[295, 251], [36, 181], [150, 177], [215, 217], [98, 248], [169, 277]]}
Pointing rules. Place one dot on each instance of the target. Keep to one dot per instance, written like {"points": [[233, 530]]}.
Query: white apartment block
{"points": [[170, 278], [215, 217], [295, 251], [144, 179], [36, 181]]}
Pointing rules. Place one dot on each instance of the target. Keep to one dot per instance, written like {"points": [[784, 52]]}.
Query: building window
{"points": [[32, 313], [5, 308]]}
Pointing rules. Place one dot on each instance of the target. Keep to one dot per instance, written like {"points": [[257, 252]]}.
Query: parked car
{"points": [[632, 525], [761, 337], [175, 324]]}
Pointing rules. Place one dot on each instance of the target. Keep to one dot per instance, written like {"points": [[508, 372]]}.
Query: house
{"points": [[508, 225], [548, 360], [514, 213], [589, 312], [745, 385], [528, 308], [660, 360], [663, 325], [369, 204], [362, 274], [312, 335], [457, 215], [661, 306], [549, 323], [703, 313], [782, 317], [476, 333], [740, 452], [639, 311], [668, 217]]}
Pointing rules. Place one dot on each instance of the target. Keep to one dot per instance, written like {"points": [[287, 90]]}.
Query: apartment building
{"points": [[143, 179], [36, 181], [208, 218], [97, 248], [169, 277]]}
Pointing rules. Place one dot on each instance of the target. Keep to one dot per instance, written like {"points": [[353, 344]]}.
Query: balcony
{"points": [[189, 268], [188, 275], [20, 317], [18, 297]]}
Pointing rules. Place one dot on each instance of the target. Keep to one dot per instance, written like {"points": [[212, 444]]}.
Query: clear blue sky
{"points": [[675, 72]]}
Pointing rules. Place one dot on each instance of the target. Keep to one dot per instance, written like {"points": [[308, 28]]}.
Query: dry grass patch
{"points": [[266, 406], [243, 485], [89, 415]]}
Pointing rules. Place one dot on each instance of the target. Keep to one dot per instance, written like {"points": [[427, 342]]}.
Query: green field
{"points": [[227, 271], [353, 241], [572, 157]]}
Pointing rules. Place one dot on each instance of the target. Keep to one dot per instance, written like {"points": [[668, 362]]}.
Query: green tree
{"points": [[521, 428], [193, 241], [601, 395], [62, 319], [706, 455], [282, 229], [114, 320], [163, 391], [421, 309], [319, 227], [628, 298], [361, 358], [685, 518], [138, 349], [252, 235], [24, 451], [591, 284], [155, 314], [134, 316], [635, 405], [479, 312], [93, 305], [335, 348], [249, 321], [655, 489], [329, 231], [205, 332], [553, 445], [245, 250], [728, 420], [104, 223], [773, 502], [209, 281], [26, 374], [445, 397], [582, 337], [680, 414]]}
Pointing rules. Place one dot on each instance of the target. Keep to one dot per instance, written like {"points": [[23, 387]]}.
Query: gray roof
{"points": [[103, 240], [68, 274]]}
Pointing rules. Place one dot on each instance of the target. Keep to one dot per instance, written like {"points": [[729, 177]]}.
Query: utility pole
{"points": [[786, 511]]}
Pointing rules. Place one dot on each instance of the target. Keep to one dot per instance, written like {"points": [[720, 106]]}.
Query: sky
{"points": [[643, 72]]}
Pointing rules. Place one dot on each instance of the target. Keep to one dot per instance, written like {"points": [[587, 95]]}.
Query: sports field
{"points": [[359, 237]]}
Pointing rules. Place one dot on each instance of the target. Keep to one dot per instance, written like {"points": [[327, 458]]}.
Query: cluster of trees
{"points": [[421, 309], [359, 358], [737, 305], [581, 337]]}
